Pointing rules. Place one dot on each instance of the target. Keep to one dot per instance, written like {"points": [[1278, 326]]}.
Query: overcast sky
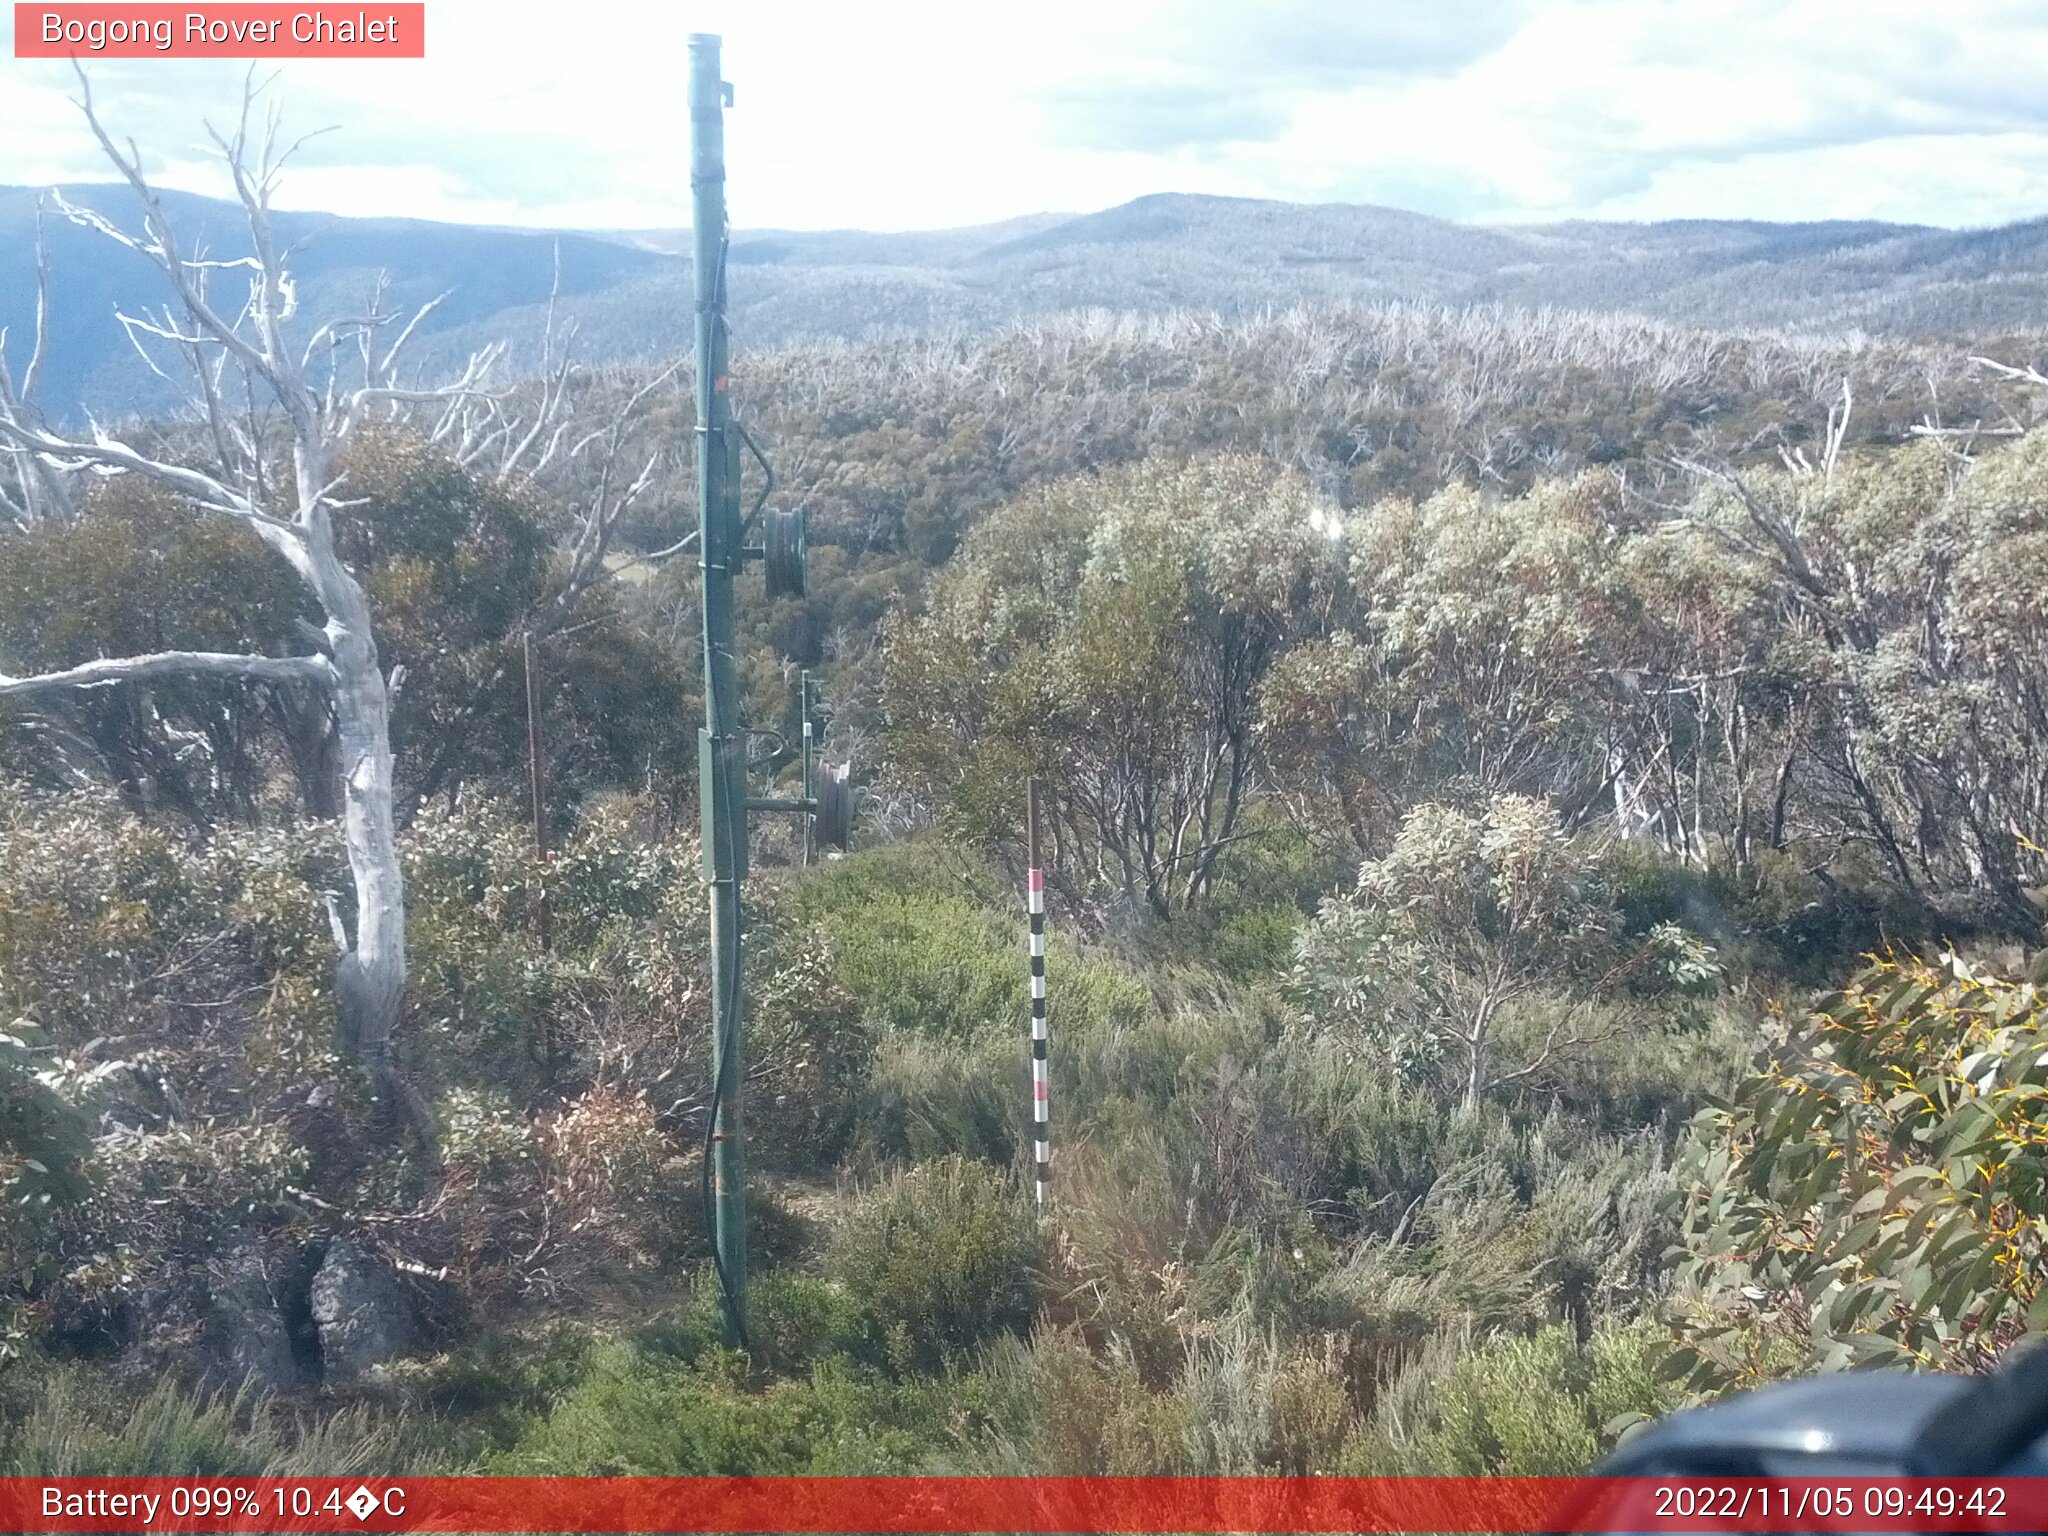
{"points": [[895, 114]]}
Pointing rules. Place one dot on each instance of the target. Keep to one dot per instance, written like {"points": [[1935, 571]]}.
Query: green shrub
{"points": [[1241, 1401], [486, 1392], [930, 1099], [797, 1320], [944, 1256], [1259, 1404], [921, 866], [931, 967], [93, 904], [1469, 919], [1535, 1406], [1057, 1408], [1123, 1251], [1204, 1080], [936, 950], [1248, 943], [1267, 883], [45, 1142], [1777, 919], [1268, 1277], [1657, 1070], [1383, 1144], [640, 1415]]}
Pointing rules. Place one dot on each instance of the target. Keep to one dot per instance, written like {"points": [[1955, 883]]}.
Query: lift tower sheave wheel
{"points": [[783, 553], [832, 806]]}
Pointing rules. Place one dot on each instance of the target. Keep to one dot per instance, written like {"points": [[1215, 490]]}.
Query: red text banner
{"points": [[929, 1505], [221, 31]]}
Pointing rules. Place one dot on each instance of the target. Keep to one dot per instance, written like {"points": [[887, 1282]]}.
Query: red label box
{"points": [[379, 29], [952, 1506]]}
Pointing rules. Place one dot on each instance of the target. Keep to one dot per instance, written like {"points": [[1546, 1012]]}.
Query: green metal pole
{"points": [[721, 790]]}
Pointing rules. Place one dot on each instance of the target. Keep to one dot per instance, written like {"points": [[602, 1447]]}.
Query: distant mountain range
{"points": [[629, 291], [92, 365]]}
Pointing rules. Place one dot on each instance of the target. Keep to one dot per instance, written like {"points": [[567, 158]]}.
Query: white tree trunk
{"points": [[370, 976], [250, 348]]}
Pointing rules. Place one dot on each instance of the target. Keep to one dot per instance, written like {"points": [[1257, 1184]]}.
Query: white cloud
{"points": [[903, 113], [1959, 179]]}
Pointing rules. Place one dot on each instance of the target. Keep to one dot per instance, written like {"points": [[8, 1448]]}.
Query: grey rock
{"points": [[245, 1340], [361, 1312]]}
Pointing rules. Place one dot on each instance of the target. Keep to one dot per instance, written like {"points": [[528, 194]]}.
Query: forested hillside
{"points": [[1239, 259], [1545, 820]]}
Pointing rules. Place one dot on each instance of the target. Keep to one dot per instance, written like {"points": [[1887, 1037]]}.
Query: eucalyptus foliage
{"points": [[1111, 634], [1469, 917], [1877, 1194]]}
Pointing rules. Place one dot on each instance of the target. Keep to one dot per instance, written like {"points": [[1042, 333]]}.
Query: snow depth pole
{"points": [[1034, 900], [721, 788], [804, 708]]}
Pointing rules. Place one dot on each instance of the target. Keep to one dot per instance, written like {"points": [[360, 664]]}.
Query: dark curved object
{"points": [[783, 552], [834, 809], [1858, 1424], [1989, 1426]]}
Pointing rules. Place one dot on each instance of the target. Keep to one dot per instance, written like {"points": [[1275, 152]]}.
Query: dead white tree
{"points": [[33, 491], [272, 466]]}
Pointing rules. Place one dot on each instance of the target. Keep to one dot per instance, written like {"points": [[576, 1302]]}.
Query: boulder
{"points": [[246, 1340], [360, 1311]]}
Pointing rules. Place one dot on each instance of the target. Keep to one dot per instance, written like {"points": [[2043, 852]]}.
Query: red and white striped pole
{"points": [[1041, 1122]]}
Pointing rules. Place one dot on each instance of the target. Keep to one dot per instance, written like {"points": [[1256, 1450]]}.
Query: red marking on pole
{"points": [[1041, 1027]]}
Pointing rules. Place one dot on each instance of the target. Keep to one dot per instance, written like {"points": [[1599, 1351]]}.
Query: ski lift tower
{"points": [[723, 551]]}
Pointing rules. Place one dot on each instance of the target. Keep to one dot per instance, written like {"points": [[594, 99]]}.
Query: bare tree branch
{"points": [[39, 491], [607, 507], [106, 452], [2027, 375], [32, 375], [129, 669]]}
